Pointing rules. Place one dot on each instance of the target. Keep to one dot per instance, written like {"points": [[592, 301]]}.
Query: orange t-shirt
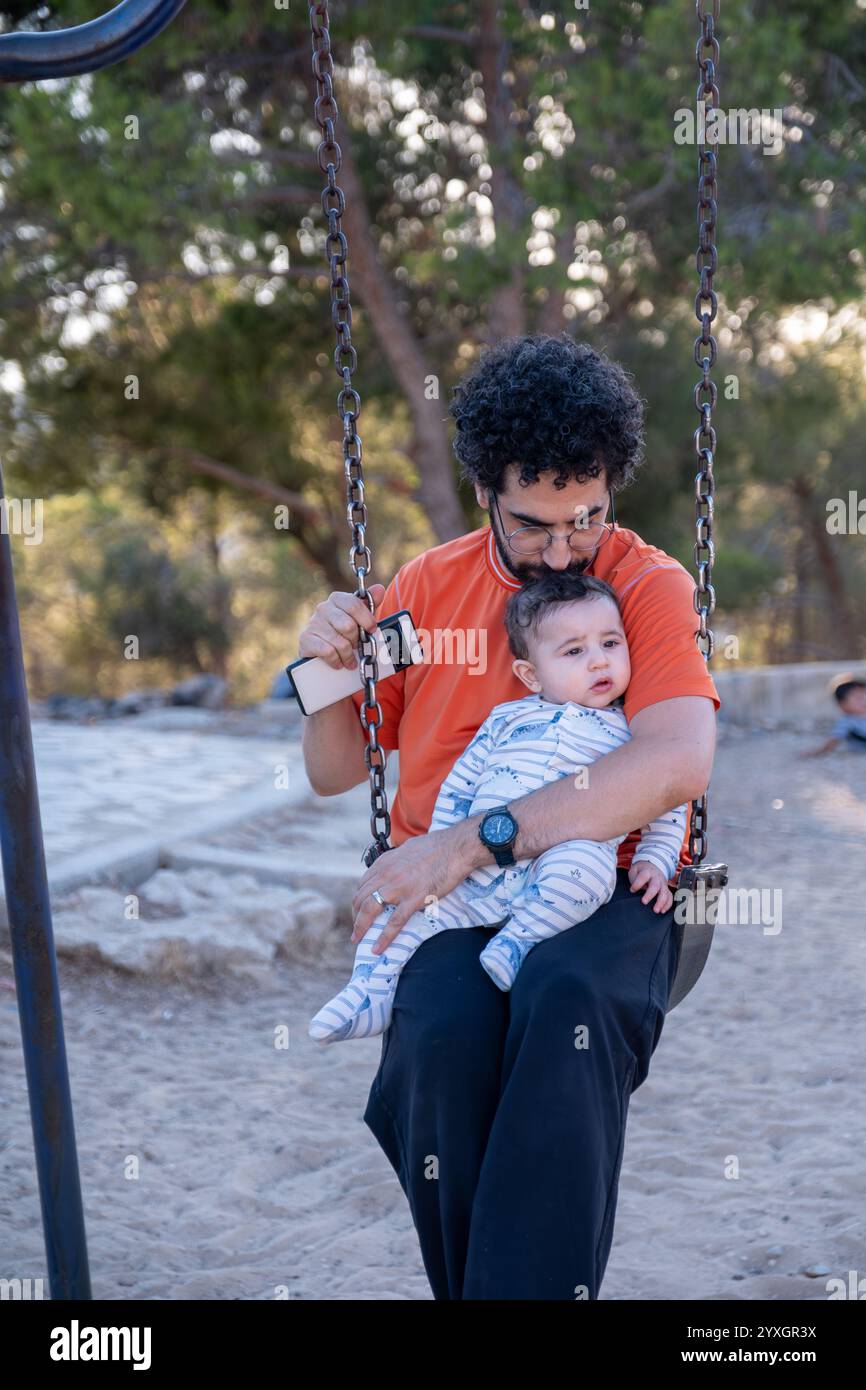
{"points": [[456, 594]]}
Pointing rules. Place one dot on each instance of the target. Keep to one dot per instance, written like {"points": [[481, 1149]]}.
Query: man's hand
{"points": [[332, 632], [415, 875], [643, 874], [332, 739]]}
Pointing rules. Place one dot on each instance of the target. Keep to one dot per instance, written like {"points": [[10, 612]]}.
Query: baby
{"points": [[849, 693], [566, 636]]}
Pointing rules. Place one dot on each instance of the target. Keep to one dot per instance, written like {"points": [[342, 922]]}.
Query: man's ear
{"points": [[481, 497], [525, 671]]}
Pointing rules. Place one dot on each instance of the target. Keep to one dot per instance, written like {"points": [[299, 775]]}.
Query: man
{"points": [[504, 1114]]}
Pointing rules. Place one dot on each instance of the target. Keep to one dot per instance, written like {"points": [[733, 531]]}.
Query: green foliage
{"points": [[152, 258]]}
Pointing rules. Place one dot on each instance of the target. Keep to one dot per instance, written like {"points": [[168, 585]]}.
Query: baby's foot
{"points": [[364, 1007], [503, 956], [360, 1010]]}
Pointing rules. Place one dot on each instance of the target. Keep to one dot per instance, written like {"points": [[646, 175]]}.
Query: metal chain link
{"points": [[705, 435], [349, 407]]}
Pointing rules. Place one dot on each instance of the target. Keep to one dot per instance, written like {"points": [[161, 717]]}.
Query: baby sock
{"points": [[503, 956], [533, 920], [364, 1007]]}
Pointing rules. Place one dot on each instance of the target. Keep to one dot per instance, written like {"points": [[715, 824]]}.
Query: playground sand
{"points": [[216, 1165]]}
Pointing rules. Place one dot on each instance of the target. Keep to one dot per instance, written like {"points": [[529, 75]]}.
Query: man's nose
{"points": [[559, 554]]}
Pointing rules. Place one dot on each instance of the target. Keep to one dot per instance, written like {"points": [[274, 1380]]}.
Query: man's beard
{"points": [[527, 572]]}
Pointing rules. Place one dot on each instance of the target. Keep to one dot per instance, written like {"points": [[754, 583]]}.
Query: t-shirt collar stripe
{"points": [[495, 566]]}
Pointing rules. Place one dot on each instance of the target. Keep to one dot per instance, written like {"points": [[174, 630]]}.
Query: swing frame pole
{"points": [[28, 910], [27, 57]]}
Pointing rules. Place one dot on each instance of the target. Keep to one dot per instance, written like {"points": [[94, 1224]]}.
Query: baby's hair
{"points": [[529, 606], [844, 685]]}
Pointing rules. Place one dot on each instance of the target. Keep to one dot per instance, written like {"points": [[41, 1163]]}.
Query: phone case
{"points": [[317, 685]]}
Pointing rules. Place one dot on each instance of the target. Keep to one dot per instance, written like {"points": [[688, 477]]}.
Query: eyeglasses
{"points": [[586, 536]]}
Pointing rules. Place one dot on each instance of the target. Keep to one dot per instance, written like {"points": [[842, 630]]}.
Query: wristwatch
{"points": [[498, 831]]}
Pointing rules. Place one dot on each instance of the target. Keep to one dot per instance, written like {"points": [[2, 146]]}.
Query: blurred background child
{"points": [[850, 727]]}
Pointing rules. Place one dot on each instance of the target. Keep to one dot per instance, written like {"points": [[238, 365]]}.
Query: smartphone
{"points": [[317, 685]]}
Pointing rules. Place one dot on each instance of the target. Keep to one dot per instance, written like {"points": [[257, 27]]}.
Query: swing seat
{"points": [[697, 904]]}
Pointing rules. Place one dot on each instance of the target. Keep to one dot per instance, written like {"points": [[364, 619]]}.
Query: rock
{"points": [[137, 701], [194, 923], [206, 691], [60, 706]]}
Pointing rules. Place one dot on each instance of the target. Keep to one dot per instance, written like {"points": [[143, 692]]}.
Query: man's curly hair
{"points": [[547, 404]]}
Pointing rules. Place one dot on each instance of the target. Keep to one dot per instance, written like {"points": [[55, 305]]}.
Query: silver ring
{"points": [[379, 899]]}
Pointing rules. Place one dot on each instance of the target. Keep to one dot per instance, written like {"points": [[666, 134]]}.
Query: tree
{"points": [[506, 168]]}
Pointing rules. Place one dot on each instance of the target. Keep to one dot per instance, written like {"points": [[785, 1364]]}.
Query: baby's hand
{"points": [[643, 874]]}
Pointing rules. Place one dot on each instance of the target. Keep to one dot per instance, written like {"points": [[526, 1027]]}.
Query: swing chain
{"points": [[345, 361], [705, 435], [349, 407]]}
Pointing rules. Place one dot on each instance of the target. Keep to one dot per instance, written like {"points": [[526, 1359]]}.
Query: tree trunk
{"points": [[429, 448], [800, 626], [507, 312], [829, 570], [222, 593]]}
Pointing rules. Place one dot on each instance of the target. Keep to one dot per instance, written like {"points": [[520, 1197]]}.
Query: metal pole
{"points": [[26, 57], [28, 909]]}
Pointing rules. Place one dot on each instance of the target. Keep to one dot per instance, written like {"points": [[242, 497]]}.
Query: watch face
{"points": [[499, 829]]}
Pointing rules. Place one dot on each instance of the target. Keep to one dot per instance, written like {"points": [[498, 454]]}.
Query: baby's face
{"points": [[854, 702], [580, 654]]}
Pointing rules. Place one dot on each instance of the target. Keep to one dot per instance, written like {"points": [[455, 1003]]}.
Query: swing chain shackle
{"points": [[349, 407], [705, 396]]}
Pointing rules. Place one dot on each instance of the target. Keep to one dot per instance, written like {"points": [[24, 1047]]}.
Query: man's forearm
{"points": [[333, 746], [627, 788]]}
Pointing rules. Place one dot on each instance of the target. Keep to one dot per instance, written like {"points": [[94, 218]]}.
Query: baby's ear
{"points": [[525, 671]]}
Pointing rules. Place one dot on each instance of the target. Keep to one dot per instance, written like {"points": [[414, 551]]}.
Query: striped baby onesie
{"points": [[522, 745]]}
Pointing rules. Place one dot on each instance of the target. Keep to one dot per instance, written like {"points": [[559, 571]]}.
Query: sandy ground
{"points": [[216, 1165]]}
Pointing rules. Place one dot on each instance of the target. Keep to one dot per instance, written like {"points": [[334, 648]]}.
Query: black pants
{"points": [[504, 1114]]}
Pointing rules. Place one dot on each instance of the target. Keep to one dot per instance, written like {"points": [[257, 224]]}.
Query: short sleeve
{"points": [[388, 692], [842, 727], [660, 623]]}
